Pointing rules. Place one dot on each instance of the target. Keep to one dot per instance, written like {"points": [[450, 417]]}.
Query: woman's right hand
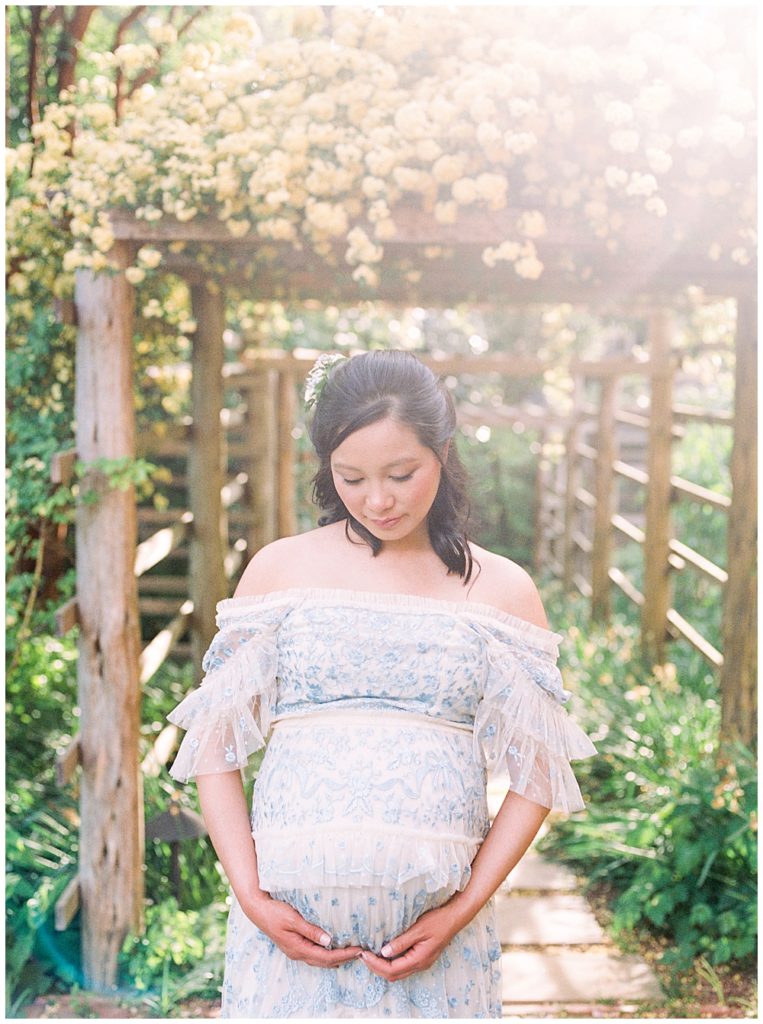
{"points": [[295, 936]]}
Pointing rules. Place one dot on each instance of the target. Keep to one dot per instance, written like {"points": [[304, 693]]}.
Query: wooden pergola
{"points": [[652, 261]]}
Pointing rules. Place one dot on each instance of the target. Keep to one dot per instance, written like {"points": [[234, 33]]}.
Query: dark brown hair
{"points": [[369, 387]]}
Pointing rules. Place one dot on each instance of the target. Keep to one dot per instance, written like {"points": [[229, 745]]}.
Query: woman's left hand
{"points": [[417, 948]]}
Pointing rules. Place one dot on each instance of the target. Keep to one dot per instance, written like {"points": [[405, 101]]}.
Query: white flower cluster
{"points": [[324, 140]]}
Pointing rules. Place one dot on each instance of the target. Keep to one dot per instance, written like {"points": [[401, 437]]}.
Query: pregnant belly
{"points": [[350, 800]]}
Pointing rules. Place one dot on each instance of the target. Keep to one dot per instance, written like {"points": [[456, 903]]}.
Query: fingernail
{"points": [[325, 940], [386, 951]]}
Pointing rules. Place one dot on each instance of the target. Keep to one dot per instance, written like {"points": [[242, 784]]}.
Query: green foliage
{"points": [[668, 822], [181, 954]]}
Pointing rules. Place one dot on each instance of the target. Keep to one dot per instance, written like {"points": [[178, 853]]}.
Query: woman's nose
{"points": [[378, 500]]}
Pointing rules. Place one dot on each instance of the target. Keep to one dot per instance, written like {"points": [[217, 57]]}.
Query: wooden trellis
{"points": [[110, 880]]}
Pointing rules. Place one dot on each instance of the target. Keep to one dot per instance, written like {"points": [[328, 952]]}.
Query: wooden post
{"points": [[542, 541], [208, 543], [287, 417], [606, 453], [738, 675], [262, 444], [111, 798], [657, 572], [572, 480]]}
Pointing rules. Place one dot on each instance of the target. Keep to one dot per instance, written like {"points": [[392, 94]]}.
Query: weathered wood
{"points": [[572, 482], [542, 543], [704, 565], [620, 580], [584, 497], [161, 751], [680, 627], [155, 548], [67, 760], [111, 799], [630, 472], [67, 616], [287, 418], [62, 466], [606, 452], [694, 492], [262, 442], [67, 905], [156, 651], [740, 648], [657, 576], [628, 529], [209, 537]]}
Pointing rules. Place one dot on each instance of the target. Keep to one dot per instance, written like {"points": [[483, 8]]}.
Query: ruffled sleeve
{"points": [[228, 716], [521, 725]]}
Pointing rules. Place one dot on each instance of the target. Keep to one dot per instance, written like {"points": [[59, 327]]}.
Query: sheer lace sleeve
{"points": [[228, 716], [521, 725]]}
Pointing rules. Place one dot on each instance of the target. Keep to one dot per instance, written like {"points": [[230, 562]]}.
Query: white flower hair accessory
{"points": [[318, 375]]}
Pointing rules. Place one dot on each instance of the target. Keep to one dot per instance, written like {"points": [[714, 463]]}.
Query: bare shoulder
{"points": [[278, 565], [507, 586]]}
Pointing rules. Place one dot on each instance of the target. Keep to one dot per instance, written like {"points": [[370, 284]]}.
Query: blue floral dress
{"points": [[384, 712]]}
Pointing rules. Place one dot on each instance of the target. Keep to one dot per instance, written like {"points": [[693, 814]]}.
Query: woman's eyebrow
{"points": [[389, 465]]}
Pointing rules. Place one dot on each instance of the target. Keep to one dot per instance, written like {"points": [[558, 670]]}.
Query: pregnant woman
{"points": [[388, 662]]}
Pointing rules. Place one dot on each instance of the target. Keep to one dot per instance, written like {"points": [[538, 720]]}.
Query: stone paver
{"points": [[540, 906], [530, 977], [535, 872], [554, 919]]}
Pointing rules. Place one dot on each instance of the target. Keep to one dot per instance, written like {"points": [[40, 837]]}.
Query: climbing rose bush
{"points": [[324, 138]]}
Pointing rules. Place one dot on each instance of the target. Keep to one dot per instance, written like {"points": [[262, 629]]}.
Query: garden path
{"points": [[555, 955]]}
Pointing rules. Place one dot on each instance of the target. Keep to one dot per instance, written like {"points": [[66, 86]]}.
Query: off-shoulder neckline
{"points": [[539, 635]]}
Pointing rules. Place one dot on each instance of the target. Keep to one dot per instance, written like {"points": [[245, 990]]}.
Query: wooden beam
{"points": [[628, 529], [156, 547], [262, 444], [161, 751], [287, 418], [111, 798], [621, 581], [681, 627], [606, 452], [657, 577], [206, 470], [572, 480], [62, 466], [67, 616], [739, 700], [67, 905], [704, 565], [67, 760], [693, 492], [633, 473], [155, 652]]}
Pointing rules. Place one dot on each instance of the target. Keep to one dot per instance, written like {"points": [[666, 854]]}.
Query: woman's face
{"points": [[387, 479]]}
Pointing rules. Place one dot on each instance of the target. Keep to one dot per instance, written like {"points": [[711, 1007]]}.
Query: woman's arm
{"points": [[223, 805], [514, 828]]}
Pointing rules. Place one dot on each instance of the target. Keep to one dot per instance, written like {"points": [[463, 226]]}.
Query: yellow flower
{"points": [[149, 257], [135, 275]]}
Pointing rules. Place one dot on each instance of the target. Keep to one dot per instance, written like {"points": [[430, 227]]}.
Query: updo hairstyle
{"points": [[367, 388]]}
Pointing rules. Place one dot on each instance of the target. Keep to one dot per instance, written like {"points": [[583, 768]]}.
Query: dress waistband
{"points": [[380, 717]]}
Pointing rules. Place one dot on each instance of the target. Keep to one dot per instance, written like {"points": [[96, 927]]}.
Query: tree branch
{"points": [[72, 34], [148, 73], [119, 35], [32, 102]]}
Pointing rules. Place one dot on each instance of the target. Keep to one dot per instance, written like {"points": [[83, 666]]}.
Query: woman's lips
{"points": [[385, 524]]}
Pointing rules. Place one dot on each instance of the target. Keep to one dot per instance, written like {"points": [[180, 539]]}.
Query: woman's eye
{"points": [[352, 481], [399, 479]]}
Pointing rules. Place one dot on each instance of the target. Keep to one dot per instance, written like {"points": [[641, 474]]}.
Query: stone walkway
{"points": [[555, 954]]}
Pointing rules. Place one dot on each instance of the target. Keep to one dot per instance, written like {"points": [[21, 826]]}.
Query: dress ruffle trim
{"points": [[228, 716], [522, 727], [352, 857]]}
